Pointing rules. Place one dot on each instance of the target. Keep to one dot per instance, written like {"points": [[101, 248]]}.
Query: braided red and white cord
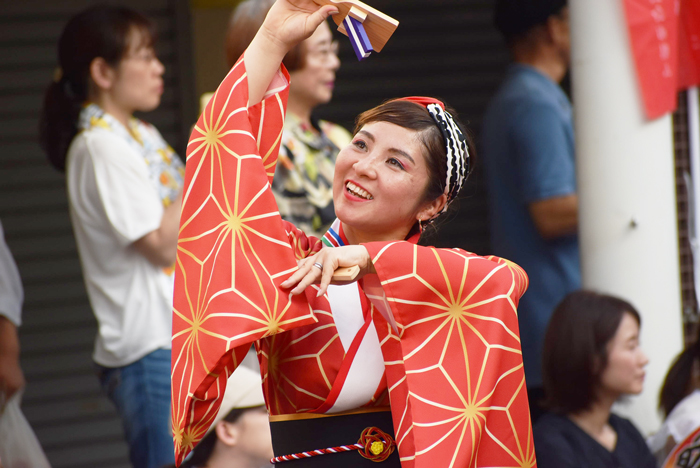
{"points": [[374, 444], [315, 453]]}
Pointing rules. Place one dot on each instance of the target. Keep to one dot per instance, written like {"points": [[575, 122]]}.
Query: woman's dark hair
{"points": [[415, 117], [245, 22], [575, 348], [678, 381], [101, 31], [205, 447]]}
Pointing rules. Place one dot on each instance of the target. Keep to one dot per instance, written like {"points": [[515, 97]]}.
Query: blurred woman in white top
{"points": [[124, 193]]}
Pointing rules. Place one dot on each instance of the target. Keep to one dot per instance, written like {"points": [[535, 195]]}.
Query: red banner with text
{"points": [[654, 33]]}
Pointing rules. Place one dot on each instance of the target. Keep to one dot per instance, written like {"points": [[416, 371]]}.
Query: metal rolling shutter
{"points": [[75, 423]]}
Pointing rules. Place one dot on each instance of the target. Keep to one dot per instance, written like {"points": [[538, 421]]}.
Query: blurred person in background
{"points": [[679, 401], [303, 178], [592, 357], [239, 437], [11, 299], [124, 190], [528, 153], [19, 447]]}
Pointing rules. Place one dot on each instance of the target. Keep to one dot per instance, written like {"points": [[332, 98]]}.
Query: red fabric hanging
{"points": [[653, 28], [689, 45], [233, 253]]}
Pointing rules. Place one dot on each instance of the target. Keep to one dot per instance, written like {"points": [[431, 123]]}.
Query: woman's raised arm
{"points": [[287, 23]]}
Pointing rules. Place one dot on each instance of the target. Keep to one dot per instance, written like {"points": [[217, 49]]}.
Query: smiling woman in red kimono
{"points": [[423, 348]]}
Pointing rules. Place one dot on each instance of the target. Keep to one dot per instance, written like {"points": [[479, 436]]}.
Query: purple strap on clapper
{"points": [[358, 37]]}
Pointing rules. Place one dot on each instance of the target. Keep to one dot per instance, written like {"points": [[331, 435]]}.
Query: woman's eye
{"points": [[395, 162], [359, 144]]}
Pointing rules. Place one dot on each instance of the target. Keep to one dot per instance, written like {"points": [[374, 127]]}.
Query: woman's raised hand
{"points": [[291, 21], [287, 23], [330, 259]]}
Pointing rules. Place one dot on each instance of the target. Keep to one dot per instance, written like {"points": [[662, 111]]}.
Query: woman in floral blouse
{"points": [[304, 173]]}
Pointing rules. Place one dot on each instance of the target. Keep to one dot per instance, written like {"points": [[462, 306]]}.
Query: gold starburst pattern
{"points": [[460, 365], [230, 262]]}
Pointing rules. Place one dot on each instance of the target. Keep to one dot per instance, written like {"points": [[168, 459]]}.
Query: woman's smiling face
{"points": [[380, 183]]}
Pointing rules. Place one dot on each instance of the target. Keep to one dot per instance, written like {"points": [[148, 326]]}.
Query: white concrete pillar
{"points": [[626, 185]]}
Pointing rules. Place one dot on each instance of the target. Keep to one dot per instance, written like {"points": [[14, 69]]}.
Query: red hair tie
{"points": [[424, 101]]}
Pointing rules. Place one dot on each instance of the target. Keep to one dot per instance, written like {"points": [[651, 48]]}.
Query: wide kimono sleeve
{"points": [[448, 324], [233, 251]]}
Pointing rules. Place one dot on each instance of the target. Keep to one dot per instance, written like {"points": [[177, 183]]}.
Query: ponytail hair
{"points": [[101, 31]]}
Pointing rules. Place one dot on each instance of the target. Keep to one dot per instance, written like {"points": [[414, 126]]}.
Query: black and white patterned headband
{"points": [[455, 142]]}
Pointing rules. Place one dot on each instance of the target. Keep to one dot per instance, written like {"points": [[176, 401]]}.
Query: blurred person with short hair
{"points": [[124, 186], [528, 154], [591, 359]]}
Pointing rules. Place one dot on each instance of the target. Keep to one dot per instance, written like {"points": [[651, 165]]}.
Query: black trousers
{"points": [[303, 435]]}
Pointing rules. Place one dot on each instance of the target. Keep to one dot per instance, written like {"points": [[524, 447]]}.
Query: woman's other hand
{"points": [[330, 259]]}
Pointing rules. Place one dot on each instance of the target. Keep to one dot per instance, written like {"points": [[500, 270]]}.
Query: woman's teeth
{"points": [[358, 192]]}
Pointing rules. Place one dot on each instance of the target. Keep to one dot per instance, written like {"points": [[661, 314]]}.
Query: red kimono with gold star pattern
{"points": [[433, 334]]}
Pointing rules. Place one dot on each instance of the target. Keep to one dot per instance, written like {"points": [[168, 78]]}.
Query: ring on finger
{"points": [[319, 265]]}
